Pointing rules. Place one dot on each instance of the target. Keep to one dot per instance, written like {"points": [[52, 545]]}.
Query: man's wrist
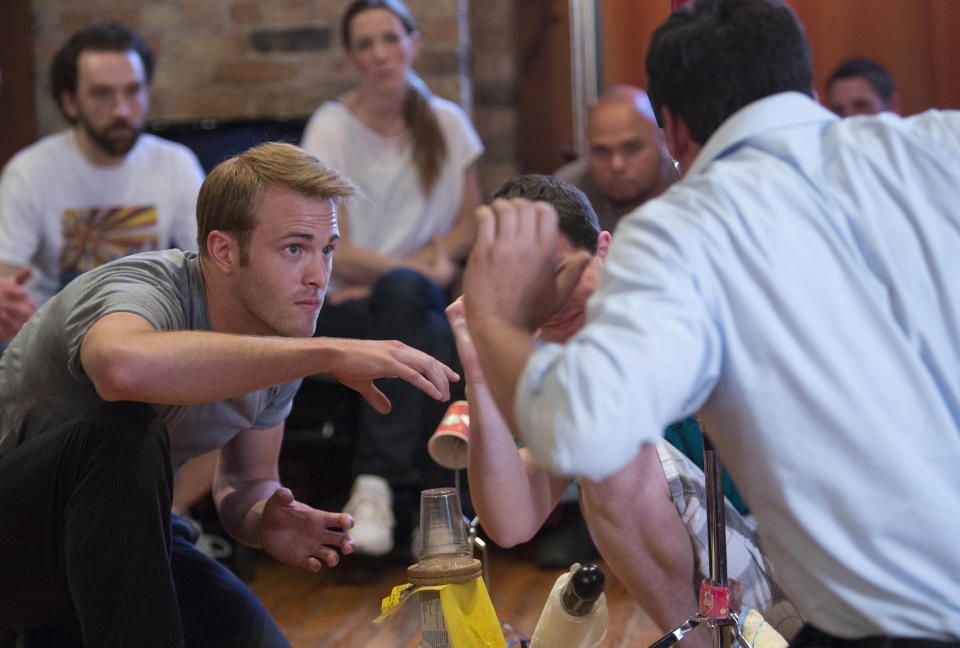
{"points": [[491, 324], [326, 352]]}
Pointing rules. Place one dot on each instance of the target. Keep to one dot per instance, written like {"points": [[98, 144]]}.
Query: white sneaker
{"points": [[371, 505], [415, 543]]}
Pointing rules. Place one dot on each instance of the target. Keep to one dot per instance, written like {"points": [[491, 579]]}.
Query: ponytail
{"points": [[429, 145]]}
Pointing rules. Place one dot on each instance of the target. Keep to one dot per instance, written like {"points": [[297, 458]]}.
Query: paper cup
{"points": [[448, 445]]}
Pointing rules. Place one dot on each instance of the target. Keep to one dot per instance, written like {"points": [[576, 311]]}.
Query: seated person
{"points": [[649, 519], [100, 189], [413, 155], [147, 361], [860, 86], [627, 161]]}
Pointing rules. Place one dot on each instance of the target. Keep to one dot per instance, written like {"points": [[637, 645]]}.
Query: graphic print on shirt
{"points": [[93, 236]]}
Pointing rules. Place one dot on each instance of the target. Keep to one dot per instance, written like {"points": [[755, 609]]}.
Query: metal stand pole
{"points": [[719, 596], [716, 531]]}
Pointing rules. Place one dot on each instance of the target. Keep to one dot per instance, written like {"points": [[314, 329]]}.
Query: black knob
{"points": [[582, 590]]}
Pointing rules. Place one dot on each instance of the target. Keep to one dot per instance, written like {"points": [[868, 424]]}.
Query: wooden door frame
{"points": [[17, 113]]}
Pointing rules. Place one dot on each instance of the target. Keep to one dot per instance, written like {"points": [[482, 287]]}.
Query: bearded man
{"points": [[99, 190]]}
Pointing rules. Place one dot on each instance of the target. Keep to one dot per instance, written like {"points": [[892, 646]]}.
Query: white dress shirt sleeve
{"points": [[649, 356]]}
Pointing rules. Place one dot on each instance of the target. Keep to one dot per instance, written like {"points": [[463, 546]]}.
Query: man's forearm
{"points": [[500, 487], [240, 508], [126, 359], [189, 367], [503, 350]]}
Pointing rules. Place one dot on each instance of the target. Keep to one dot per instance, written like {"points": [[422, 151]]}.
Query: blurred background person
{"points": [[413, 155], [627, 161], [860, 86], [100, 189]]}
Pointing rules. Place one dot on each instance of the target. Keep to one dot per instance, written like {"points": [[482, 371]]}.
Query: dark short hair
{"points": [[875, 74], [576, 218], [99, 37], [712, 57]]}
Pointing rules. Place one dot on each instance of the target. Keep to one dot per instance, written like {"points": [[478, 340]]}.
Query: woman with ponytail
{"points": [[413, 155]]}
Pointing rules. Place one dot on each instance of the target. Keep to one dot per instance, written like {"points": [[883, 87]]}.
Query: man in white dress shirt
{"points": [[798, 288]]}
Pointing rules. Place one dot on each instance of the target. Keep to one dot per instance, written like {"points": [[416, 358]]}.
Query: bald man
{"points": [[627, 162]]}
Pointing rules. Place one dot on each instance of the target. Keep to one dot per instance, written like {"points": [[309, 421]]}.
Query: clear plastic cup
{"points": [[442, 531]]}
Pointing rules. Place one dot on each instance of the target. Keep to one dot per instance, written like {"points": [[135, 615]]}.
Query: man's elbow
{"points": [[507, 535], [505, 530], [112, 373]]}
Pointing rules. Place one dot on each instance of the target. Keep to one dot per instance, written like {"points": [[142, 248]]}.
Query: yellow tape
{"points": [[467, 610], [471, 619]]}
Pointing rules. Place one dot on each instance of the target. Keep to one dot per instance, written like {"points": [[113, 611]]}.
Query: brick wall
{"points": [[493, 70], [229, 59]]}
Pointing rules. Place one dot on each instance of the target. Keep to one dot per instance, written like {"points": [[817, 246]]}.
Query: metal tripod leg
{"points": [[716, 531], [677, 633], [724, 624]]}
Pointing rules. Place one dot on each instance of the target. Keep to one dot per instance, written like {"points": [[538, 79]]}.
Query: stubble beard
{"points": [[116, 146]]}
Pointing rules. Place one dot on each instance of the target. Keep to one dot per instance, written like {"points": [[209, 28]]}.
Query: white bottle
{"points": [[575, 615]]}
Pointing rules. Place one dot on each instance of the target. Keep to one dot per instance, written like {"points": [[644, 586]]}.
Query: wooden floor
{"points": [[336, 607]]}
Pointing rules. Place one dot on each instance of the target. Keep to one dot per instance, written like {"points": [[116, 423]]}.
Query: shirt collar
{"points": [[782, 110]]}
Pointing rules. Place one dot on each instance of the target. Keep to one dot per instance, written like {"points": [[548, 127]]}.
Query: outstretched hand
{"points": [[301, 536], [16, 304], [512, 274], [359, 362]]}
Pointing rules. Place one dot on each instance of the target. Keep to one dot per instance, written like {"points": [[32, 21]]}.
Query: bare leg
{"points": [[194, 482], [639, 533]]}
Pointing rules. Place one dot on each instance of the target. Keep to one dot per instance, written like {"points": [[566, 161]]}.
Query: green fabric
{"points": [[687, 437]]}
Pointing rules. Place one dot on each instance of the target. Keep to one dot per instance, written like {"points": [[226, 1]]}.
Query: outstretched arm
{"points": [[256, 510], [512, 497], [128, 360]]}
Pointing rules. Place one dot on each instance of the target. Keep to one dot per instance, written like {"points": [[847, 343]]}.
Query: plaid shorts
{"points": [[745, 559]]}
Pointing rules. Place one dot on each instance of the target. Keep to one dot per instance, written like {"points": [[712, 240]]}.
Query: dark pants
{"points": [[86, 549], [404, 306], [810, 637]]}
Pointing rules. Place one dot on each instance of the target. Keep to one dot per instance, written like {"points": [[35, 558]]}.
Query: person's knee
{"points": [[127, 436], [121, 415]]}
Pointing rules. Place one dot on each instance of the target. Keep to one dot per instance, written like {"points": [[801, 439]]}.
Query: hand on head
{"points": [[512, 272], [16, 304]]}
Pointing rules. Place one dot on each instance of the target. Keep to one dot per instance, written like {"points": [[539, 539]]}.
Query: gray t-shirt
{"points": [[42, 382]]}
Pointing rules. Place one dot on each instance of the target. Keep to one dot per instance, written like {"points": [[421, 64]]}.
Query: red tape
{"points": [[714, 600]]}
